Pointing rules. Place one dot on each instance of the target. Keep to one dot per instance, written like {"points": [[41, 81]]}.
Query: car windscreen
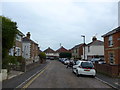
{"points": [[87, 65]]}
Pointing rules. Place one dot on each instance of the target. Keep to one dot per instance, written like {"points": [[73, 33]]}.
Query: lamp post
{"points": [[84, 44]]}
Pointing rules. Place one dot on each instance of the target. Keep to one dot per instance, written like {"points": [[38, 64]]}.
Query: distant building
{"points": [[50, 53], [94, 49], [30, 49], [112, 46], [17, 48], [77, 51], [62, 49]]}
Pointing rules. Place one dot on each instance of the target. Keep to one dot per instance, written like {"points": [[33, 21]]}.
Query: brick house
{"points": [[30, 49], [50, 53], [62, 50], [17, 48], [112, 46], [112, 50], [77, 51], [94, 49]]}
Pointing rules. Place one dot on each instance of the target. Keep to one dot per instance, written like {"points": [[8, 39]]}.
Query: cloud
{"points": [[52, 23]]}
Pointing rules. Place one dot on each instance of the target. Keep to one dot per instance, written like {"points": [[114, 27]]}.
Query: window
{"points": [[111, 58], [77, 62], [87, 65], [76, 50], [18, 51], [18, 37], [110, 41]]}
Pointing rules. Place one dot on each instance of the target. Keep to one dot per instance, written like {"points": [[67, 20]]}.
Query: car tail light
{"points": [[93, 68]]}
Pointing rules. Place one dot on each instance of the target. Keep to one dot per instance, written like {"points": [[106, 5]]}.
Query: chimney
{"points": [[94, 39], [28, 35]]}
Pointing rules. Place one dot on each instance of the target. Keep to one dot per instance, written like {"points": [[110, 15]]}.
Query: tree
{"points": [[9, 31], [42, 56], [65, 55]]}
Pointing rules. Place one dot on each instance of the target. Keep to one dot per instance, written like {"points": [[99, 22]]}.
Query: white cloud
{"points": [[52, 23]]}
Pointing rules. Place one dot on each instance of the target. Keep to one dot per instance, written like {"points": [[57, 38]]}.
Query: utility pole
{"points": [[84, 44]]}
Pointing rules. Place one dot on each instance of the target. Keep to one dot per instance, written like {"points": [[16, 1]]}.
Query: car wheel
{"points": [[77, 73], [93, 76], [73, 71]]}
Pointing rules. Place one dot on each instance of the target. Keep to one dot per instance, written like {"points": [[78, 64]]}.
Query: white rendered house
{"points": [[94, 49]]}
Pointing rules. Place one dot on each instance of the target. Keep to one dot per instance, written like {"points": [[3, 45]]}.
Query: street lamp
{"points": [[84, 44]]}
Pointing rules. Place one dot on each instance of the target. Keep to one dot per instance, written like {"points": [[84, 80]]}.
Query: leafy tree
{"points": [[65, 55], [9, 31], [42, 56]]}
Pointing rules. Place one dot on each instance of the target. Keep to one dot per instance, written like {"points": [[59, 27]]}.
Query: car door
{"points": [[76, 66]]}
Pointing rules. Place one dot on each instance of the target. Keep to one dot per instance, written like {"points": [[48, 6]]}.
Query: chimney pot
{"points": [[94, 39], [28, 35]]}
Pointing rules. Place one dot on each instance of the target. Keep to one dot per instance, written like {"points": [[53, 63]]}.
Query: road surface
{"points": [[56, 75]]}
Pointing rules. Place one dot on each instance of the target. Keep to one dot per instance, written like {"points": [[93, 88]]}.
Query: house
{"points": [[77, 51], [62, 49], [112, 54], [112, 46], [50, 53], [17, 48], [30, 49], [94, 49]]}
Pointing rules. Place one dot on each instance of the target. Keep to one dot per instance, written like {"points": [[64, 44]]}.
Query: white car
{"points": [[66, 61], [93, 60], [84, 68]]}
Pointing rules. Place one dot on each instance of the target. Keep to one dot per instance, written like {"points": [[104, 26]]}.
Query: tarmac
{"points": [[11, 81]]}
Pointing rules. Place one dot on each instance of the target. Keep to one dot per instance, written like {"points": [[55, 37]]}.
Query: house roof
{"points": [[77, 46], [26, 39], [49, 50], [40, 50], [96, 42], [20, 33], [112, 32], [62, 49]]}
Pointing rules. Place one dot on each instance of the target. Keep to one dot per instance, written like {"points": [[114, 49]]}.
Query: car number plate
{"points": [[86, 70]]}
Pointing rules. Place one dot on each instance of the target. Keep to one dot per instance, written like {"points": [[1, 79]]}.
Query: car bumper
{"points": [[83, 72]]}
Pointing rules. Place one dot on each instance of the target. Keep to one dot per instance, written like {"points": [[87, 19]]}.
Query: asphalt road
{"points": [[56, 75]]}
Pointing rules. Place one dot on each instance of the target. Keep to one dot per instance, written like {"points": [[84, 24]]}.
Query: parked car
{"points": [[84, 68], [51, 58], [93, 60], [101, 62], [70, 64], [63, 59], [66, 61]]}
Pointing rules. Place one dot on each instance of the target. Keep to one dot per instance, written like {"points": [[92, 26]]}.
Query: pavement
{"points": [[14, 73], [113, 82], [15, 81]]}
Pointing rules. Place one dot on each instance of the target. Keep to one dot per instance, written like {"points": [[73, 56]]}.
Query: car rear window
{"points": [[87, 65]]}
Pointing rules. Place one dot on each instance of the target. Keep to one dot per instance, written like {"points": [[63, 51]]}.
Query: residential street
{"points": [[56, 75]]}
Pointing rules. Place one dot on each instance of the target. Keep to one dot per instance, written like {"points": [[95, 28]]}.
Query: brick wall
{"points": [[111, 70]]}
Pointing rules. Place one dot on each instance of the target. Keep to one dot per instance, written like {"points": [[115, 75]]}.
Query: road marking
{"points": [[106, 82], [32, 76], [36, 76]]}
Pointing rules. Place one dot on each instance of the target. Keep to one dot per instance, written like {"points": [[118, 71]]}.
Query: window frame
{"points": [[110, 41]]}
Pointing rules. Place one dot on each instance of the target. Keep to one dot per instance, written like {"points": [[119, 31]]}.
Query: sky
{"points": [[52, 22]]}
